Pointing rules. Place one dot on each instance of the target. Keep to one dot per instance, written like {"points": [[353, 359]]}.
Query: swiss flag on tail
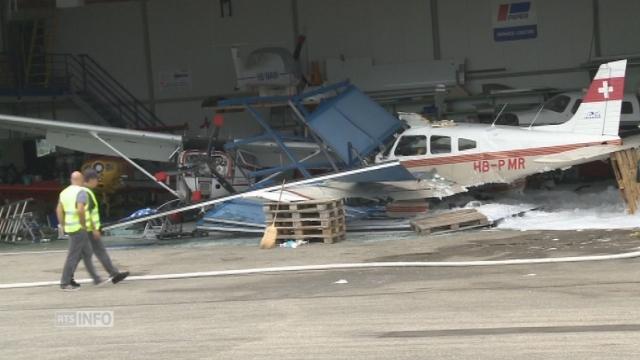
{"points": [[605, 89], [599, 112]]}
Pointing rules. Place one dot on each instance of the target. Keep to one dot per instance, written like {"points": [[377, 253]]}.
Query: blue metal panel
{"points": [[353, 118], [279, 141]]}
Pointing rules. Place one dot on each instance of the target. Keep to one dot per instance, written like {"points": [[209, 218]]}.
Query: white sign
{"points": [[43, 148], [178, 79]]}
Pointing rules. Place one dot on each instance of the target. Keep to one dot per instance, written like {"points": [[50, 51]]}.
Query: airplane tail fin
{"points": [[599, 112]]}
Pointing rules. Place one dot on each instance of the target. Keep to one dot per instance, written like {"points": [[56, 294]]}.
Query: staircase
{"points": [[93, 85], [29, 70], [84, 80]]}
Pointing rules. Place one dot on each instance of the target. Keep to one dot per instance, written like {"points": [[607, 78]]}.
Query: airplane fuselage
{"points": [[471, 155]]}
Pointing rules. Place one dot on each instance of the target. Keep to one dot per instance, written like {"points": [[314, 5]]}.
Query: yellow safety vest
{"points": [[68, 199], [93, 215]]}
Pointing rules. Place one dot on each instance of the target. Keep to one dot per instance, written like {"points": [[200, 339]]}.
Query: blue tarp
{"points": [[243, 212], [140, 213], [237, 211]]}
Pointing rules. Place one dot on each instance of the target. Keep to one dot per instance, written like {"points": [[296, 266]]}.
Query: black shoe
{"points": [[74, 283], [69, 287], [119, 277]]}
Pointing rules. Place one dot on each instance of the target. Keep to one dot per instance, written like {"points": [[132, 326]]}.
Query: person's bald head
{"points": [[77, 178]]}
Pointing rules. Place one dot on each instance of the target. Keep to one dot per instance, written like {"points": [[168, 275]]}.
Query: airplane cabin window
{"points": [[411, 145], [466, 144], [576, 106], [440, 144], [627, 108], [558, 103]]}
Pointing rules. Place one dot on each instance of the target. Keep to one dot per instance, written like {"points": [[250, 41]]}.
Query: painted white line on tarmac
{"points": [[32, 252], [283, 269], [110, 248]]}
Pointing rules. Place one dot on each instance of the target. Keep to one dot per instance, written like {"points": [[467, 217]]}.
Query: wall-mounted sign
{"points": [[43, 148], [178, 79], [514, 20]]}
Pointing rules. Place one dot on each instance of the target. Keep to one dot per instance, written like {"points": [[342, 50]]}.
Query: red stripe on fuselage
{"points": [[445, 160]]}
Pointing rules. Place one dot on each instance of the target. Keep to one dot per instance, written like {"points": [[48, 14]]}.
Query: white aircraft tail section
{"points": [[599, 112]]}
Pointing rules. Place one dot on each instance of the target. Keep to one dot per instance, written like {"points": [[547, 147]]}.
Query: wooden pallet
{"points": [[303, 206], [308, 220], [327, 236], [304, 216], [308, 224], [450, 221]]}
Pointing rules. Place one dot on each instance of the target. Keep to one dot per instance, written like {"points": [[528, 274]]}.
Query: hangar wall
{"points": [[191, 37], [619, 37], [388, 31]]}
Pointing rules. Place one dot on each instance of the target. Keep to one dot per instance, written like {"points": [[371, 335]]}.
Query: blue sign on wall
{"points": [[515, 33], [514, 20]]}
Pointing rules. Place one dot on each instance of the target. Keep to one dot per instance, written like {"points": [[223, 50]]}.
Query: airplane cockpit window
{"points": [[440, 144], [576, 105], [466, 144], [410, 145], [558, 103]]}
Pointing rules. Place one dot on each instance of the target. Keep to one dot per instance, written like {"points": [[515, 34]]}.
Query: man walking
{"points": [[71, 213], [93, 228]]}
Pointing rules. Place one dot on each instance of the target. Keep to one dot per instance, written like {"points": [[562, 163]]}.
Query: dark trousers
{"points": [[101, 253], [79, 248]]}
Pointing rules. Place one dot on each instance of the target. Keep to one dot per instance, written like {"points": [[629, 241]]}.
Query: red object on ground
{"points": [[218, 120], [196, 196], [161, 176], [175, 218]]}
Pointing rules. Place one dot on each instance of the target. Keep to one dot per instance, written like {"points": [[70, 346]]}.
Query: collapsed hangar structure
{"points": [[206, 116]]}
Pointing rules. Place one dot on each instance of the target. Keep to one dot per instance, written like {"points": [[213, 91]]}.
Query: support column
{"points": [[435, 30], [597, 52], [147, 55]]}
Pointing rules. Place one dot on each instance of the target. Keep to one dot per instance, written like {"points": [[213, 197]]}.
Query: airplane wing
{"points": [[332, 185], [397, 190], [598, 152], [350, 183], [581, 154], [144, 145]]}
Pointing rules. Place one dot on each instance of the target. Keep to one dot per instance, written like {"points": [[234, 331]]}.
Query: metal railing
{"points": [[79, 75], [18, 224]]}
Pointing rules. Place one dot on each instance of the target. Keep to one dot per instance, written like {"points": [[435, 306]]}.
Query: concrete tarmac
{"points": [[553, 311]]}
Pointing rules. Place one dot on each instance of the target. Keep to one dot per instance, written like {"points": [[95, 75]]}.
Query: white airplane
{"points": [[560, 108], [450, 159]]}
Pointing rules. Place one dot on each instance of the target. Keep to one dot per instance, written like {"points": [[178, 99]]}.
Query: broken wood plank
{"points": [[450, 221], [625, 167]]}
